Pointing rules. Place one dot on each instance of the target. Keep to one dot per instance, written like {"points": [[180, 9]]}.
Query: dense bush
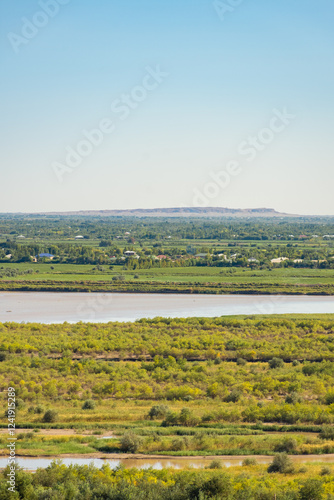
{"points": [[281, 463], [276, 363], [327, 432], [158, 411], [89, 404], [88, 483], [249, 462], [130, 442], [288, 445], [50, 416]]}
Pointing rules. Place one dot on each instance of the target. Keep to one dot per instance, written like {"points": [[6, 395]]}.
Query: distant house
{"points": [[131, 253], [252, 259], [279, 260], [8, 256], [202, 255], [161, 257], [79, 237], [21, 237], [45, 256]]}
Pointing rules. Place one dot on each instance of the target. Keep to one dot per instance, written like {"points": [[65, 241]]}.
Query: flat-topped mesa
{"points": [[179, 212]]}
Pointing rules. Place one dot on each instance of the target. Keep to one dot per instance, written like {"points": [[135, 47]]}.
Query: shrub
{"points": [[241, 362], [327, 432], [118, 278], [219, 486], [329, 398], [130, 442], [276, 363], [50, 416], [281, 463], [19, 403], [215, 464], [234, 396], [187, 418], [158, 411], [293, 398], [178, 444], [170, 419], [248, 462], [288, 445], [89, 404], [313, 489], [3, 356], [310, 369], [326, 471], [39, 409]]}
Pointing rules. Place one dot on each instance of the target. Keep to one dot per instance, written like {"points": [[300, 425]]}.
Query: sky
{"points": [[108, 104]]}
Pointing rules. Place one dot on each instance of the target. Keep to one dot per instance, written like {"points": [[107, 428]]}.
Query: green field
{"points": [[73, 277]]}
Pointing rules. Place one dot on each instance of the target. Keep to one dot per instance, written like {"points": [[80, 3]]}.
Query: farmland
{"points": [[186, 256]]}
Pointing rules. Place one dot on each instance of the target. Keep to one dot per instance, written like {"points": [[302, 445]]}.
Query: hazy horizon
{"points": [[86, 211], [195, 103]]}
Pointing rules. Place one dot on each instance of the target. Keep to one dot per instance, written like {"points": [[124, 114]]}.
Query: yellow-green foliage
{"points": [[250, 483]]}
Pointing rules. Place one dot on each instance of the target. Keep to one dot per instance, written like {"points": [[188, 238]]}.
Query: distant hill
{"points": [[179, 212]]}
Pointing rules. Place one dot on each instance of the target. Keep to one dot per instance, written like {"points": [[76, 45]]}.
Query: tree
{"points": [[281, 463], [130, 442]]}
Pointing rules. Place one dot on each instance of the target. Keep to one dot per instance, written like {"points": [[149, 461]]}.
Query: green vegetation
{"points": [[253, 482], [199, 386], [292, 256]]}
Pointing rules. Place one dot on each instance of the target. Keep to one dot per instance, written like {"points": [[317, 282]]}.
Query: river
{"points": [[58, 307], [161, 463]]}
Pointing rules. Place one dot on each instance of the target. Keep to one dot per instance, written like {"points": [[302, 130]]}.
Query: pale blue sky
{"points": [[226, 75]]}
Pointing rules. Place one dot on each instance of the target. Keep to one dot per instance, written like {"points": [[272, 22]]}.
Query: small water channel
{"points": [[161, 463]]}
